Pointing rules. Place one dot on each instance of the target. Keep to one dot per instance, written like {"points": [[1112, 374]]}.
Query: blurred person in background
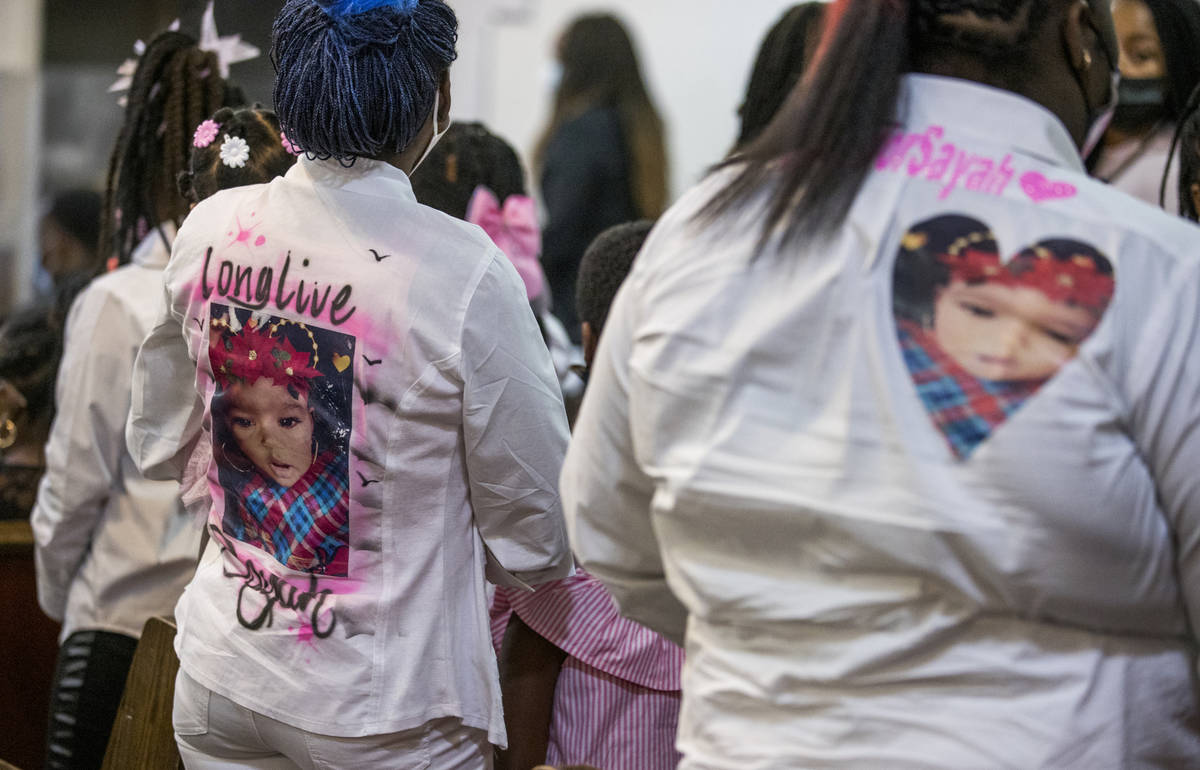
{"points": [[113, 548], [70, 237], [602, 158], [895, 423], [785, 54], [1160, 67], [30, 348]]}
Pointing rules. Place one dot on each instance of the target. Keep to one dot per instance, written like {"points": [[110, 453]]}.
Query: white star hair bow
{"points": [[229, 49]]}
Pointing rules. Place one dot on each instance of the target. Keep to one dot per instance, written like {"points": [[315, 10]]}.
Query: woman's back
{"points": [[892, 553], [389, 310]]}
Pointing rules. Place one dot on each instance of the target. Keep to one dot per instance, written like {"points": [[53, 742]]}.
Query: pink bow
{"points": [[515, 230]]}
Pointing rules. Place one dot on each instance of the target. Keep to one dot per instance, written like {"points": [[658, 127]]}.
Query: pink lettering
{"points": [[926, 155]]}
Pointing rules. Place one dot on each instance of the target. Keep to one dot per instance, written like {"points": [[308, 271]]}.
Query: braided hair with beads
{"points": [[817, 152], [358, 78], [176, 86]]}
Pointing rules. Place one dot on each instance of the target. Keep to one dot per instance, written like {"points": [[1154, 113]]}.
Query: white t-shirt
{"points": [[894, 544], [386, 424]]}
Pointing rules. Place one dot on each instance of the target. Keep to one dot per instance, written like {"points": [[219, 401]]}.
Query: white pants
{"points": [[214, 733]]}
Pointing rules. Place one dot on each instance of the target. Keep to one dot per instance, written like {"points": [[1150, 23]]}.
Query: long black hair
{"points": [[600, 68], [1187, 140], [176, 86], [785, 52], [819, 148]]}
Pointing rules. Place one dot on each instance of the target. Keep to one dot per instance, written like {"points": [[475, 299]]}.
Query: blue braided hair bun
{"points": [[340, 8], [357, 78]]}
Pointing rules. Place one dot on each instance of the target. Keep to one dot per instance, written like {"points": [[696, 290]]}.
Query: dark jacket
{"points": [[586, 187]]}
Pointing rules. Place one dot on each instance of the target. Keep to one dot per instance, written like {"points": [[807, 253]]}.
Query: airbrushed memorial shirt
{"points": [[926, 495], [386, 428]]}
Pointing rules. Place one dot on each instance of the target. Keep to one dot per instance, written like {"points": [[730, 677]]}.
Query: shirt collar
{"points": [[154, 250], [366, 177], [991, 114]]}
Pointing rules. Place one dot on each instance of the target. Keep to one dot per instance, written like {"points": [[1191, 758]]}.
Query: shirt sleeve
{"points": [[1164, 380], [87, 440], [166, 413], [515, 433], [606, 494]]}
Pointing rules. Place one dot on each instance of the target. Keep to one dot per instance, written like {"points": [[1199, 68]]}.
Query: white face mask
{"points": [[1100, 124], [552, 75], [437, 135]]}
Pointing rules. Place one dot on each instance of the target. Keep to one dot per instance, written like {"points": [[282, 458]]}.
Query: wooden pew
{"points": [[28, 650], [142, 735]]}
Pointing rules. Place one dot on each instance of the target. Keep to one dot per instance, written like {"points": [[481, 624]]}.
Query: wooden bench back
{"points": [[142, 735]]}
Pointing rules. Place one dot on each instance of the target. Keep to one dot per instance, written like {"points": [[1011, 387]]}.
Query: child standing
{"points": [[583, 685]]}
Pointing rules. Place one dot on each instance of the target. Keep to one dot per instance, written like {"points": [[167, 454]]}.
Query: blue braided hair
{"points": [[357, 78]]}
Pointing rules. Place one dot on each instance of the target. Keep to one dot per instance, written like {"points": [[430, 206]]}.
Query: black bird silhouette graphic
{"points": [[365, 481], [379, 257], [372, 362]]}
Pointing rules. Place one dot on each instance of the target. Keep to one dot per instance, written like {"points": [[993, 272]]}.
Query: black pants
{"points": [[88, 682]]}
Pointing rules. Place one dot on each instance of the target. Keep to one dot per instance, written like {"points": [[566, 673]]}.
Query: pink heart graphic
{"points": [[1040, 189]]}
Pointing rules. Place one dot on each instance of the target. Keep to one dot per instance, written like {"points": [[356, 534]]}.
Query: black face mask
{"points": [[1143, 102]]}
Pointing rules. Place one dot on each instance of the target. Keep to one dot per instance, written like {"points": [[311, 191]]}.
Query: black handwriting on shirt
{"points": [[241, 286], [277, 591]]}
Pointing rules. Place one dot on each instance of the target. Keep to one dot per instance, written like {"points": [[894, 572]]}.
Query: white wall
{"points": [[697, 56], [20, 57]]}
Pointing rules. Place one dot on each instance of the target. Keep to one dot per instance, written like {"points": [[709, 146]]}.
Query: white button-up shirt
{"points": [[113, 549], [443, 436], [862, 585]]}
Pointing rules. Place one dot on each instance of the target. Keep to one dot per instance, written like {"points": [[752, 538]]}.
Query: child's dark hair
{"points": [[207, 173], [175, 87], [817, 151], [358, 78], [781, 61], [604, 267], [467, 157]]}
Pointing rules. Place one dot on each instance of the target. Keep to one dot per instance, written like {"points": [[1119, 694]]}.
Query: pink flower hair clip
{"points": [[206, 133], [287, 144]]}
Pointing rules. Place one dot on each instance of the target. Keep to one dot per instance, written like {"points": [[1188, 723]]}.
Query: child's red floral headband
{"points": [[259, 352]]}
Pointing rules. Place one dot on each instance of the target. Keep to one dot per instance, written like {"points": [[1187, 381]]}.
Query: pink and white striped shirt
{"points": [[616, 705]]}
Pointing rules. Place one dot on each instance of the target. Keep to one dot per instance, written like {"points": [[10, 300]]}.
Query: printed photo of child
{"points": [[281, 427], [980, 335]]}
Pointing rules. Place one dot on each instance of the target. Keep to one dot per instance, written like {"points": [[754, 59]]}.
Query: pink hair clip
{"points": [[287, 144], [206, 133]]}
